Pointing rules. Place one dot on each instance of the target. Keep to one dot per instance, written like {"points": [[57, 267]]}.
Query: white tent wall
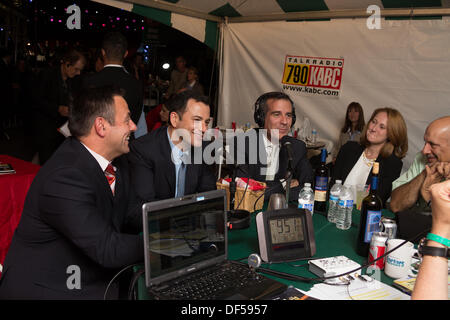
{"points": [[404, 65]]}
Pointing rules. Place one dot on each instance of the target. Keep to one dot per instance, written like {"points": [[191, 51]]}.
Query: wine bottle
{"points": [[370, 215], [321, 184]]}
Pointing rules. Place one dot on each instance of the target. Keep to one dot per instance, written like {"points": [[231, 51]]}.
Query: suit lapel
{"points": [[282, 163], [191, 172], [105, 184], [119, 200], [91, 165], [167, 156]]}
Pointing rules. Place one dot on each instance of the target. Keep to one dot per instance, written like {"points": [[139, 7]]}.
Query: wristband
{"points": [[439, 239]]}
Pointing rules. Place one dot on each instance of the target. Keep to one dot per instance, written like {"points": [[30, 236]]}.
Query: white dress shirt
{"points": [[272, 152], [103, 163]]}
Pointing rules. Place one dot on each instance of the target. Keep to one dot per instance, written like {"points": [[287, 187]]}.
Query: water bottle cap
{"points": [[307, 184], [339, 181]]}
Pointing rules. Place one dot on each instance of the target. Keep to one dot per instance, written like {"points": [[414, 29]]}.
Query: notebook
{"points": [[186, 248]]}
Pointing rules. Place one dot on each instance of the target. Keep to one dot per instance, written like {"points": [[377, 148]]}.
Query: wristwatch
{"points": [[425, 250]]}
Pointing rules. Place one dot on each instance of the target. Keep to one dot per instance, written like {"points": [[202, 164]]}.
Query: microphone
{"points": [[254, 262], [288, 147], [236, 218], [289, 170]]}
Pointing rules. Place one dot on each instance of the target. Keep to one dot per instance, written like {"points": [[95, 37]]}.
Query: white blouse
{"points": [[360, 171]]}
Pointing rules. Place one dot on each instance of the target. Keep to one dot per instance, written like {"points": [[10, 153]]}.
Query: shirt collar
{"points": [[177, 153], [115, 66], [267, 143], [100, 159]]}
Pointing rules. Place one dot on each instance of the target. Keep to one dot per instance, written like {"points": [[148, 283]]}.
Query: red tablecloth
{"points": [[13, 190]]}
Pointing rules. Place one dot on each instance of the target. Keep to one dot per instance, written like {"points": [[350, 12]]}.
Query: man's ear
{"points": [[126, 54], [103, 53], [173, 119], [100, 126]]}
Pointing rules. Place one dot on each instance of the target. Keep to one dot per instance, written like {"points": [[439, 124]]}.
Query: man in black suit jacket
{"points": [[114, 51], [153, 157], [71, 238], [51, 97], [265, 156]]}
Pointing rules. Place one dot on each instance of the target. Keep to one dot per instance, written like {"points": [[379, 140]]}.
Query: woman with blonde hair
{"points": [[384, 140]]}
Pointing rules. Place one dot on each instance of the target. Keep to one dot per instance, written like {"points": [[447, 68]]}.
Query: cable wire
{"points": [[323, 279], [135, 278], [117, 275]]}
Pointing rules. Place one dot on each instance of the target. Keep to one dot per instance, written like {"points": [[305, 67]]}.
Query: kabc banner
{"points": [[313, 76]]}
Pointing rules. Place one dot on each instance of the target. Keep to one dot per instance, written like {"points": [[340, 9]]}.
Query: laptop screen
{"points": [[182, 235]]}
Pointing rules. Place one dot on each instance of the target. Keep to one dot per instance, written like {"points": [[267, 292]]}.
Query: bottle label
{"points": [[306, 205], [323, 155], [320, 195], [346, 203], [374, 185], [334, 198], [372, 224], [321, 183]]}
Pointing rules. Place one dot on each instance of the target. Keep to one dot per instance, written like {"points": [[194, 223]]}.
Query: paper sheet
{"points": [[357, 290], [64, 129], [409, 283]]}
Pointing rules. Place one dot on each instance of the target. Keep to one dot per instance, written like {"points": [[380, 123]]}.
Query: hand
{"points": [[432, 176], [294, 183], [440, 204], [63, 110], [181, 90], [443, 169]]}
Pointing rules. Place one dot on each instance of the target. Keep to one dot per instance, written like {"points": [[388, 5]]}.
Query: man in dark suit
{"points": [[51, 96], [71, 238], [164, 162], [114, 51], [265, 153]]}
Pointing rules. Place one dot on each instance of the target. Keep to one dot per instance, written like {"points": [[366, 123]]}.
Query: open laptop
{"points": [[186, 243]]}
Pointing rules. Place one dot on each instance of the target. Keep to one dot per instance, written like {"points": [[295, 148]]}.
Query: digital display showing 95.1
{"points": [[284, 230]]}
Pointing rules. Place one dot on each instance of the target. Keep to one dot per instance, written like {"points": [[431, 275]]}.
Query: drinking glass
{"points": [[362, 191]]}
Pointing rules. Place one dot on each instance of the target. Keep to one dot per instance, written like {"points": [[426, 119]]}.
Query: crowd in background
{"points": [[21, 86]]}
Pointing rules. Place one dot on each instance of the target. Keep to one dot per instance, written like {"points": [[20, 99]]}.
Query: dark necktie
{"points": [[110, 174]]}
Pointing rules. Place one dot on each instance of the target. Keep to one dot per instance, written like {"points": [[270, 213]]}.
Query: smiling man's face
{"points": [[278, 117], [194, 121], [119, 132], [437, 141]]}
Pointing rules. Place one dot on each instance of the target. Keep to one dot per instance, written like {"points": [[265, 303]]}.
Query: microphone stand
{"points": [[288, 182], [233, 187], [289, 171], [232, 213]]}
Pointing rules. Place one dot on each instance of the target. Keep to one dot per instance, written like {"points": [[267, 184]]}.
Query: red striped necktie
{"points": [[110, 174]]}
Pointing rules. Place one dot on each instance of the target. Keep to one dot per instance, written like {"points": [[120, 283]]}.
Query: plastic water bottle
{"points": [[306, 130], [306, 198], [345, 207], [314, 136], [334, 200]]}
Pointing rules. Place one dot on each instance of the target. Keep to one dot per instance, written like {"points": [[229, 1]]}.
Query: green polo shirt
{"points": [[414, 170]]}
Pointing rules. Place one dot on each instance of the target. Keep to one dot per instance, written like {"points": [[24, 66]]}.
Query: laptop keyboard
{"points": [[210, 283]]}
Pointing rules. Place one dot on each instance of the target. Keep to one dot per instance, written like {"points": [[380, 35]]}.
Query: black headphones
{"points": [[260, 105], [238, 219]]}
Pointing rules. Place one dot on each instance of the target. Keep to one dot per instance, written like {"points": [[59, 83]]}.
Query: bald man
{"points": [[430, 166]]}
